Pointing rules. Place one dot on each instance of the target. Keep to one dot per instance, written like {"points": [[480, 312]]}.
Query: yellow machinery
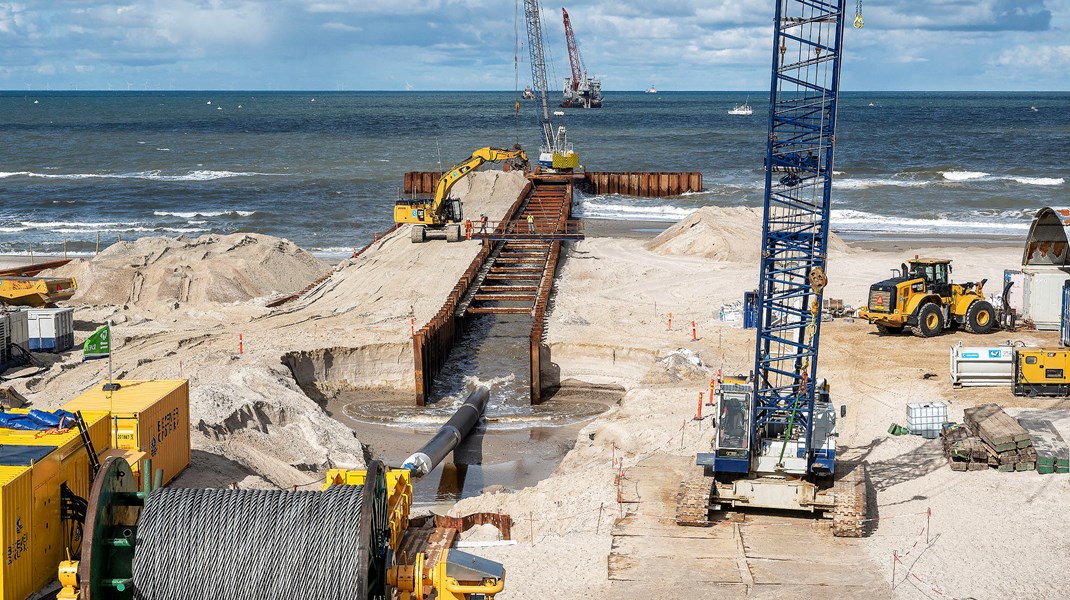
{"points": [[441, 213], [923, 298], [1041, 372], [455, 575], [36, 291], [119, 526]]}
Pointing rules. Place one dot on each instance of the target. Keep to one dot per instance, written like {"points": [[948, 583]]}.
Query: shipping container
{"points": [[51, 329], [18, 328], [981, 366], [1042, 372], [96, 421], [150, 416], [1043, 289], [16, 506], [1064, 326]]}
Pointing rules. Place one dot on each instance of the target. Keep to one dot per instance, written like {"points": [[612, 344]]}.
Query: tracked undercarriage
{"points": [[844, 501]]}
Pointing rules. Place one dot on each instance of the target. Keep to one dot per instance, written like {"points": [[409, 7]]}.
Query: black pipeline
{"points": [[424, 460]]}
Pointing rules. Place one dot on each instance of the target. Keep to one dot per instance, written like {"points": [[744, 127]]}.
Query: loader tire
{"points": [[930, 321], [889, 329], [980, 317]]}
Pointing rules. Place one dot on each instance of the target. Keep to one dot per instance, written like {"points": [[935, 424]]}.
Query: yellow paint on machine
{"points": [[16, 506], [150, 416]]}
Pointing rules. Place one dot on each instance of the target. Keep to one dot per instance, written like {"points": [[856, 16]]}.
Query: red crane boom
{"points": [[573, 53]]}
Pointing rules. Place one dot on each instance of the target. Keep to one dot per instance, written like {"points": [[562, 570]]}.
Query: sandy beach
{"points": [[596, 508]]}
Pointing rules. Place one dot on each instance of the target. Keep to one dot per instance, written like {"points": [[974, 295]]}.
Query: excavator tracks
{"points": [[693, 501], [849, 514]]}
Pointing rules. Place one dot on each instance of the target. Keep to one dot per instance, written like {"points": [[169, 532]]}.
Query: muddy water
{"points": [[516, 446]]}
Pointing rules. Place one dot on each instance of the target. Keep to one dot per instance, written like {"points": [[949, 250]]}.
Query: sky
{"points": [[470, 44]]}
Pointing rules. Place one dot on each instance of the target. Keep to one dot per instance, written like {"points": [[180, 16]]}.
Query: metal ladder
{"points": [[83, 429]]}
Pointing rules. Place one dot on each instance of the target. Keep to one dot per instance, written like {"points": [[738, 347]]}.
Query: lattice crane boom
{"points": [[538, 70], [574, 58], [798, 183]]}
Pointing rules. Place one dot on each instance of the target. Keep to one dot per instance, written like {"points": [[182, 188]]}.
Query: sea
{"points": [[82, 170]]}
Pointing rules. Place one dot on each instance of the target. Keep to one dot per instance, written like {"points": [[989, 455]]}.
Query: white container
{"points": [[982, 366], [18, 328], [1043, 295], [51, 329], [926, 419]]}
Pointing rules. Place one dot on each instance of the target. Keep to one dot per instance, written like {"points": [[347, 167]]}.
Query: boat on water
{"points": [[651, 90], [742, 109], [528, 94]]}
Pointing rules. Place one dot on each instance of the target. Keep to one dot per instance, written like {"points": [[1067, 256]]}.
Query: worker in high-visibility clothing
{"points": [[531, 224]]}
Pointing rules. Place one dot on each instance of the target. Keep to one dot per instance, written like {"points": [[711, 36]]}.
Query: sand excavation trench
{"points": [[369, 390]]}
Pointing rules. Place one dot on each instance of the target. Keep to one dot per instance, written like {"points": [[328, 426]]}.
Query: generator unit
{"points": [[1042, 372]]}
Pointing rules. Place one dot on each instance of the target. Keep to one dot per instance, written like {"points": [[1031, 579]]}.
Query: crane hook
{"points": [[859, 23]]}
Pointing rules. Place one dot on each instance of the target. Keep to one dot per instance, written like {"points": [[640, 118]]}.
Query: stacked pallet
{"points": [[964, 451], [1008, 443], [1053, 455]]}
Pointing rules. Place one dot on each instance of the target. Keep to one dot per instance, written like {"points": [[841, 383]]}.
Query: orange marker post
{"points": [[694, 333], [710, 401], [241, 344], [354, 251], [670, 319], [698, 415], [412, 324]]}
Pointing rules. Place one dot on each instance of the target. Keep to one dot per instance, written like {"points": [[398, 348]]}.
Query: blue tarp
{"points": [[36, 420]]}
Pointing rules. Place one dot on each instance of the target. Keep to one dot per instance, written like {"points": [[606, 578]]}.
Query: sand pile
{"points": [[162, 273], [732, 234]]}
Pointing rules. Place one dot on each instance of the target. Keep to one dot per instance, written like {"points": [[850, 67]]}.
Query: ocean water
{"points": [[323, 169]]}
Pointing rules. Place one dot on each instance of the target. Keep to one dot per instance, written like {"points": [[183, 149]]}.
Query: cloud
{"points": [[469, 44]]}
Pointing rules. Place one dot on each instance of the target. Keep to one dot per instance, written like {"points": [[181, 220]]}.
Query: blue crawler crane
{"points": [[775, 445]]}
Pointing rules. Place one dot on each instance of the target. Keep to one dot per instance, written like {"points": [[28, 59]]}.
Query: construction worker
{"points": [[482, 223], [531, 224], [468, 229]]}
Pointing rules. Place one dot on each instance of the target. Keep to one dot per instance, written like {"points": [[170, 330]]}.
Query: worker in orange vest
{"points": [[483, 223], [468, 229]]}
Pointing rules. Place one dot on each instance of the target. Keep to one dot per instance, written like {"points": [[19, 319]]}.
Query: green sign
{"points": [[98, 345]]}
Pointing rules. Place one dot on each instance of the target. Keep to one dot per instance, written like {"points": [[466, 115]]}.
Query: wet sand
{"points": [[499, 453]]}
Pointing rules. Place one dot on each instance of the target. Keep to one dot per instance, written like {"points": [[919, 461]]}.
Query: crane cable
{"points": [[516, 67]]}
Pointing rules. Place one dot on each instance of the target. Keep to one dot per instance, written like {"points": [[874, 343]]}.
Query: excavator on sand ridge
{"points": [[442, 213]]}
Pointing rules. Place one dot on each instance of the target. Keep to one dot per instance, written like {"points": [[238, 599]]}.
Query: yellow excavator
{"points": [[442, 213]]}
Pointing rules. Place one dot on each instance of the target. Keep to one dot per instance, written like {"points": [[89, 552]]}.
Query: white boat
{"points": [[742, 109], [651, 90], [559, 113]]}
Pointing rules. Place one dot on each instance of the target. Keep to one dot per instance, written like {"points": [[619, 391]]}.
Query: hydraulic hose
{"points": [[424, 460]]}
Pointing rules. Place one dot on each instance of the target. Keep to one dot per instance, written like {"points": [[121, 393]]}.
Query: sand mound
{"points": [[163, 272], [732, 234]]}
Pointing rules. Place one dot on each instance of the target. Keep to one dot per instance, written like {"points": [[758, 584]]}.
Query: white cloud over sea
{"points": [[469, 44]]}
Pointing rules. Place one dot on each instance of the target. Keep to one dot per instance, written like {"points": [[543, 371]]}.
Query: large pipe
{"points": [[424, 460]]}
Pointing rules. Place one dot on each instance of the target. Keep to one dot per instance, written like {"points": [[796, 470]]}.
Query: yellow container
{"points": [[95, 420], [16, 504], [150, 416]]}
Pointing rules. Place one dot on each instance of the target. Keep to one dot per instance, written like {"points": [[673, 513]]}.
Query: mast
{"points": [[798, 185], [538, 72]]}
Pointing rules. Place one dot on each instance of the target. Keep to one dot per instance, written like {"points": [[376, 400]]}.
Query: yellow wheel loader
{"points": [[922, 297], [442, 213]]}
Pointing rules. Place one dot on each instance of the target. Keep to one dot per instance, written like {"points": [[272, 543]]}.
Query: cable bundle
{"points": [[221, 544]]}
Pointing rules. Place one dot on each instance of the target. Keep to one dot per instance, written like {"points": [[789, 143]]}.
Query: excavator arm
{"points": [[438, 211]]}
